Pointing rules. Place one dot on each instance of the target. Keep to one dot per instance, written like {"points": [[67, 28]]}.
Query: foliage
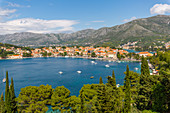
{"points": [[32, 94], [27, 55], [12, 95], [2, 104], [101, 81], [59, 98], [7, 95], [93, 54], [127, 107]]}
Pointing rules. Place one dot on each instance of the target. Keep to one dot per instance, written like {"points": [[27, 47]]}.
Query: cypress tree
{"points": [[114, 80], [127, 92], [2, 107], [145, 87], [111, 81], [12, 94], [7, 95], [101, 81]]}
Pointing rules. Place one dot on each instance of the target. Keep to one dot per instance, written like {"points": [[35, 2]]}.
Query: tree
{"points": [[118, 56], [82, 102], [37, 107], [114, 80], [12, 94], [33, 94], [59, 98], [145, 87], [93, 54], [2, 104], [7, 96], [159, 98], [111, 81], [102, 104], [74, 103], [101, 81], [127, 106]]}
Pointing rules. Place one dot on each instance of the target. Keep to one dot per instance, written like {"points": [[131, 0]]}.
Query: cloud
{"points": [[128, 20], [98, 21], [36, 26], [6, 12], [16, 5], [160, 9]]}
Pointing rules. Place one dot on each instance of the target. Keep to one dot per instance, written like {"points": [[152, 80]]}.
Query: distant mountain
{"points": [[147, 30]]}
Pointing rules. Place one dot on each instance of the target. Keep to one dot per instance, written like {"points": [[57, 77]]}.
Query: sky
{"points": [[65, 16]]}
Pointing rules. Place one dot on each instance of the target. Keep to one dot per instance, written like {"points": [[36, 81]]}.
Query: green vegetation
{"points": [[143, 93]]}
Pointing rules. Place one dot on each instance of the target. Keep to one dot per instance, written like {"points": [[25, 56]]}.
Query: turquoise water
{"points": [[37, 71]]}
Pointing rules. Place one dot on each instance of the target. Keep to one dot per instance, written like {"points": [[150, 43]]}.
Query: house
{"points": [[15, 56], [145, 54]]}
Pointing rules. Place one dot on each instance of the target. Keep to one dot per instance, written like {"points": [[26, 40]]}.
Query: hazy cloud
{"points": [[98, 21], [160, 9], [16, 5], [6, 12], [128, 20], [36, 26]]}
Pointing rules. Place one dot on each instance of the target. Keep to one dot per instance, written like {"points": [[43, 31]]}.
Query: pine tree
{"points": [[82, 109], [101, 81], [145, 87], [12, 94], [7, 96], [127, 106], [103, 105], [2, 105]]}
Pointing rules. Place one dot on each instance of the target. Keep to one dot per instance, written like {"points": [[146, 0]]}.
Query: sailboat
{"points": [[4, 80]]}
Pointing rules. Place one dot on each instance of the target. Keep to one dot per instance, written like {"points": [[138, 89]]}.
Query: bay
{"points": [[38, 71]]}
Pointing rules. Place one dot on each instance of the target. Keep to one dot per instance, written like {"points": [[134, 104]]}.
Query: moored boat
{"points": [[4, 80], [107, 65], [92, 77]]}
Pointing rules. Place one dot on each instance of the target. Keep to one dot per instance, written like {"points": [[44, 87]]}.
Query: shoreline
{"points": [[104, 59]]}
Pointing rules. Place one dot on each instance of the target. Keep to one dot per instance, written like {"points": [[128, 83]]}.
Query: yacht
{"points": [[79, 72], [92, 62], [136, 68], [60, 72], [107, 65]]}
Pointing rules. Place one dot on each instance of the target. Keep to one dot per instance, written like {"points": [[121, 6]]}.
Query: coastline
{"points": [[93, 58]]}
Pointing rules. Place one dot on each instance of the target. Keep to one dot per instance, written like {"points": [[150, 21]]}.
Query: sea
{"points": [[38, 71]]}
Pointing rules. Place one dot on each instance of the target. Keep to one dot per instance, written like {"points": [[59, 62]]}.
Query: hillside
{"points": [[146, 30]]}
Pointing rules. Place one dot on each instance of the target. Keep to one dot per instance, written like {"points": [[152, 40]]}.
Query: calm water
{"points": [[37, 71]]}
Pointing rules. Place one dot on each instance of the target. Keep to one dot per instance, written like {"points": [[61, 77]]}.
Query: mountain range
{"points": [[145, 30]]}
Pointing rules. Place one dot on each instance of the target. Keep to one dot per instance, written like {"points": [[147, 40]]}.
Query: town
{"points": [[76, 51]]}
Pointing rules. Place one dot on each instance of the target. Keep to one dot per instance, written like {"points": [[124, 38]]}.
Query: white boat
{"points": [[107, 65], [92, 62], [4, 80], [117, 85], [109, 60], [118, 61], [79, 72], [66, 56], [136, 68], [60, 72]]}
